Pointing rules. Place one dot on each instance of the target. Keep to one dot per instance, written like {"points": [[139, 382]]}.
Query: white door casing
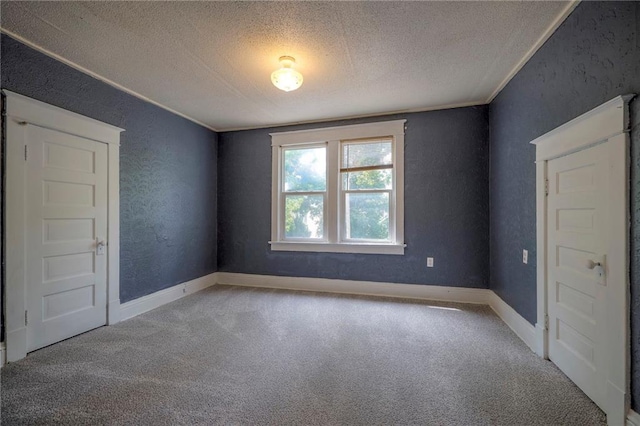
{"points": [[66, 222], [32, 129], [582, 202]]}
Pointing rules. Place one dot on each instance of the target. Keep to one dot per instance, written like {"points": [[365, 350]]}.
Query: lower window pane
{"points": [[367, 216], [303, 216]]}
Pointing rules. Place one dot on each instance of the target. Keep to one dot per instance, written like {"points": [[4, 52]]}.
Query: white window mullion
{"points": [[276, 212], [393, 192], [398, 187], [332, 222], [282, 198]]}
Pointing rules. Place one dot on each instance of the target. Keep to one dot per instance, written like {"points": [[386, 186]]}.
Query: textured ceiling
{"points": [[211, 61]]}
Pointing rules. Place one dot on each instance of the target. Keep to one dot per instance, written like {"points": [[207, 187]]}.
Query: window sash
{"points": [[344, 226], [283, 194]]}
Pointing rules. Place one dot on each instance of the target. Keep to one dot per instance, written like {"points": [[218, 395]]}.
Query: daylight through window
{"points": [[339, 189]]}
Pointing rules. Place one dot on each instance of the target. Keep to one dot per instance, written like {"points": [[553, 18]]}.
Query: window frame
{"points": [[334, 212]]}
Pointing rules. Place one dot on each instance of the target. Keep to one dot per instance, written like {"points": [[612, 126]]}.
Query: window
{"points": [[339, 189]]}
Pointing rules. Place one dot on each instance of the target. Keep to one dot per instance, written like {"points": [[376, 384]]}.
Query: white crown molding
{"points": [[536, 46], [100, 77], [232, 129], [380, 115], [155, 300], [543, 38]]}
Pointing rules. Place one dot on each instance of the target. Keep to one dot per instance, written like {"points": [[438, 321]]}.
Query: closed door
{"points": [[578, 215], [66, 226]]}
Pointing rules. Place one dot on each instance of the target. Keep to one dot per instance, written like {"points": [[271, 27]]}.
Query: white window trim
{"points": [[332, 137]]}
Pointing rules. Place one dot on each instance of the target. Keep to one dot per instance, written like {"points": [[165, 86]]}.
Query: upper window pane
{"points": [[305, 169], [359, 154]]}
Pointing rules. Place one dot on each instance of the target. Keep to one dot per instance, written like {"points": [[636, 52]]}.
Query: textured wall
{"points": [[446, 206], [167, 171], [594, 56]]}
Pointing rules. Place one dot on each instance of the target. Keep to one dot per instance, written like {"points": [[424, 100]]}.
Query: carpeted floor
{"points": [[233, 355]]}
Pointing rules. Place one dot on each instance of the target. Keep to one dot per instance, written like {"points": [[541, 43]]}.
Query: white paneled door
{"points": [[578, 215], [66, 231]]}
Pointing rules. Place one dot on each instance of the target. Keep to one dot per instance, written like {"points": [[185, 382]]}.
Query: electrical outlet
{"points": [[525, 256], [429, 262]]}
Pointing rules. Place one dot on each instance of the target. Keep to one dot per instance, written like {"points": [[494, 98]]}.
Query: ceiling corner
{"points": [[564, 14]]}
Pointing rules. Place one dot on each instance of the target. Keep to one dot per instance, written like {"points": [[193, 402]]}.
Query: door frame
{"points": [[608, 123], [19, 112]]}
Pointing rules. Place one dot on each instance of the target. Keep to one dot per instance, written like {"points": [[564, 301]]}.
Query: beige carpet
{"points": [[232, 355]]}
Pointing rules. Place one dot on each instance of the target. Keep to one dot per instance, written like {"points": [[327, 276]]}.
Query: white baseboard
{"points": [[523, 328], [520, 326], [517, 323], [633, 418], [151, 301], [368, 288]]}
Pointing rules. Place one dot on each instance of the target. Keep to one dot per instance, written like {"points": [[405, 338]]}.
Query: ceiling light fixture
{"points": [[286, 78]]}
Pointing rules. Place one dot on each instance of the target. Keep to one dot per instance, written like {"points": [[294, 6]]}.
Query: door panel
{"points": [[578, 214], [66, 215]]}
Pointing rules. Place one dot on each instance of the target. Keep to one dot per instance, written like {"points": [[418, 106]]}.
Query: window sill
{"points": [[362, 248]]}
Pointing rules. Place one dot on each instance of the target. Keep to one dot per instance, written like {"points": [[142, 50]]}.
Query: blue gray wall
{"points": [[594, 56], [446, 206], [168, 174], [168, 171]]}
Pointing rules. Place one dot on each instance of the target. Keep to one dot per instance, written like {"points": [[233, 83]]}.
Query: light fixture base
{"points": [[287, 58]]}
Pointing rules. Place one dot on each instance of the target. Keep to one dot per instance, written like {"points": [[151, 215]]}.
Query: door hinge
{"points": [[546, 187], [546, 321], [26, 318], [25, 152]]}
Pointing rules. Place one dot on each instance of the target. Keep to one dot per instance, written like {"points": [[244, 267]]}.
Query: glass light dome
{"points": [[286, 78]]}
